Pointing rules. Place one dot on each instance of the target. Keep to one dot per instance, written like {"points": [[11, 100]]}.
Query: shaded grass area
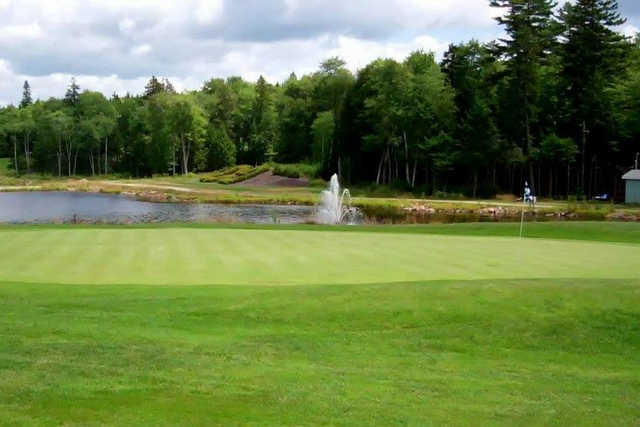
{"points": [[452, 352], [621, 232], [190, 256]]}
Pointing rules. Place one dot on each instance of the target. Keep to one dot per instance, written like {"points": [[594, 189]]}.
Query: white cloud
{"points": [[274, 60], [127, 25], [115, 45], [630, 30], [208, 11], [360, 52], [142, 49], [19, 32]]}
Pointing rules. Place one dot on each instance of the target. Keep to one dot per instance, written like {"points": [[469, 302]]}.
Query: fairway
{"points": [[268, 257], [232, 325]]}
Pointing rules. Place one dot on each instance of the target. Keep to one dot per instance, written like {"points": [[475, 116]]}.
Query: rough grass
{"points": [[488, 344], [457, 353]]}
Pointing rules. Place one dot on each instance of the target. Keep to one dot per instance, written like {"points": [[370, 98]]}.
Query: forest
{"points": [[556, 102]]}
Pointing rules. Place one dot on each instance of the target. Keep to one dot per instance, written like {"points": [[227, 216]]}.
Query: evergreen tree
{"points": [[167, 87], [153, 87], [73, 93], [26, 95], [591, 57], [470, 68], [530, 32]]}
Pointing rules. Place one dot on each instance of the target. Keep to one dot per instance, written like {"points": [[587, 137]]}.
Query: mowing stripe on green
{"points": [[192, 256]]}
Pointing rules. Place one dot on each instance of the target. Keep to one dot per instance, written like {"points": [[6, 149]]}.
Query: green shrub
{"points": [[234, 174], [296, 170]]}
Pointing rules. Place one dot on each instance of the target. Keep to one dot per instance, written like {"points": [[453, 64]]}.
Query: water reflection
{"points": [[47, 207]]}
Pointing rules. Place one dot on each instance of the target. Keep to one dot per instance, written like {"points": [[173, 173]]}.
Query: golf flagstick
{"points": [[521, 221]]}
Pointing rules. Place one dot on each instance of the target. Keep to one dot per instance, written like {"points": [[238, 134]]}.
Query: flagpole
{"points": [[521, 221]]}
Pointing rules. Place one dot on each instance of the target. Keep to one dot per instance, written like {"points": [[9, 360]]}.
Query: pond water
{"points": [[49, 207]]}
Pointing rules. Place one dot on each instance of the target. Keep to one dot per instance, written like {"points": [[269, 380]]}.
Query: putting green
{"points": [[285, 257]]}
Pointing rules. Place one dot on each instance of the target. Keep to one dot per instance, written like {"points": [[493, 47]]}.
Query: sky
{"points": [[116, 45]]}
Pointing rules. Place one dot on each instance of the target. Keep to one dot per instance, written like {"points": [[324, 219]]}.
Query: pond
{"points": [[64, 207]]}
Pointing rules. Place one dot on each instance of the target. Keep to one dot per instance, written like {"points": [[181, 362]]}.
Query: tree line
{"points": [[555, 102]]}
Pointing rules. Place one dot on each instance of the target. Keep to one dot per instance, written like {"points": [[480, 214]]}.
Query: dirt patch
{"points": [[268, 179]]}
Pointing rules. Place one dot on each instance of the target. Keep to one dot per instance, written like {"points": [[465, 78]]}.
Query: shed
{"points": [[632, 179]]}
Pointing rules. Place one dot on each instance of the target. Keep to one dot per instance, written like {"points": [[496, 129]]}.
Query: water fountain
{"points": [[333, 209]]}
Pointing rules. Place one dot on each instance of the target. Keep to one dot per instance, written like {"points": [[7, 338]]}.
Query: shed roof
{"points": [[633, 174]]}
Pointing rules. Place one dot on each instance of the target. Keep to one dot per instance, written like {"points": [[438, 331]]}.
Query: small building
{"points": [[632, 179]]}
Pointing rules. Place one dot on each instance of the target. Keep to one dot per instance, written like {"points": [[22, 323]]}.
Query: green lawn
{"points": [[407, 325], [192, 256]]}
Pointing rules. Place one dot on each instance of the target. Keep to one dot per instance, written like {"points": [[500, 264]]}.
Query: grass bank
{"points": [[478, 352]]}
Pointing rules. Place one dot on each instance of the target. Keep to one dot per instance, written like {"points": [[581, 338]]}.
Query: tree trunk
{"points": [[15, 155], [68, 161], [59, 156], [434, 178], [406, 157], [584, 156], [379, 169], [551, 182], [93, 172], [389, 166], [528, 146], [384, 168], [75, 162], [26, 152], [475, 182], [106, 155], [568, 179], [173, 151], [595, 188], [397, 175], [413, 179], [539, 180], [185, 156]]}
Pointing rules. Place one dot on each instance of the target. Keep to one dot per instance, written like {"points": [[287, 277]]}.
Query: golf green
{"points": [[191, 256], [434, 325]]}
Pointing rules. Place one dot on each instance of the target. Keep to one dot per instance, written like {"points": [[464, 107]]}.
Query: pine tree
{"points": [[153, 87], [530, 31], [73, 92], [167, 86], [591, 57], [26, 95]]}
